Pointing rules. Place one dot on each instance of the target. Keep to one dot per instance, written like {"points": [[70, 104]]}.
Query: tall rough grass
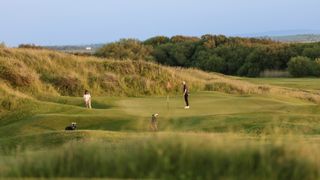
{"points": [[45, 71], [170, 157]]}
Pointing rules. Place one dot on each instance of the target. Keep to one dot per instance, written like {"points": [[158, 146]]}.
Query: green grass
{"points": [[242, 136], [301, 83], [210, 112], [236, 128]]}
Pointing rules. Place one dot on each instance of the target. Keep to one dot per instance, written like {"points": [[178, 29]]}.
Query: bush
{"points": [[212, 63], [301, 66], [312, 52], [317, 67], [126, 49], [175, 54]]}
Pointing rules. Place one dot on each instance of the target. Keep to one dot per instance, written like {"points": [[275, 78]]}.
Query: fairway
{"points": [[209, 112], [301, 83]]}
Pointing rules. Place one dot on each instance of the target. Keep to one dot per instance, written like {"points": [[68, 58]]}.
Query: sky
{"points": [[70, 22]]}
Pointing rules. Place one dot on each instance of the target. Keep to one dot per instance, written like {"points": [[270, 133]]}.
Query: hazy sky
{"points": [[56, 22]]}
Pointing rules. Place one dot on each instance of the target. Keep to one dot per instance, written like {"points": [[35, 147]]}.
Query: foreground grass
{"points": [[173, 156]]}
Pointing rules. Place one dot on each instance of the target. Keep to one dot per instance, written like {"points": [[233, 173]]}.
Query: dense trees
{"points": [[157, 40], [300, 66], [228, 55], [303, 66], [175, 54]]}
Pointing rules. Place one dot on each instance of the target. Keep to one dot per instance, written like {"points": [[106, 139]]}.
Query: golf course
{"points": [[236, 128]]}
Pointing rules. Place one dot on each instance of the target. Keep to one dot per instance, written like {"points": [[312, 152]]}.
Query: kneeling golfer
{"points": [[186, 94], [153, 122]]}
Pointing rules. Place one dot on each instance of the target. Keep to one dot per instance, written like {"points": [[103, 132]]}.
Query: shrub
{"points": [[211, 63], [317, 67], [175, 54], [312, 52], [301, 66], [126, 49]]}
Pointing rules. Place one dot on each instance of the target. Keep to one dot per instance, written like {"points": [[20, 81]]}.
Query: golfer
{"points": [[186, 94], [87, 99], [153, 122]]}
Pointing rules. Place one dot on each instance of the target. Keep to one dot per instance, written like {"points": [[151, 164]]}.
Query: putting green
{"points": [[209, 112]]}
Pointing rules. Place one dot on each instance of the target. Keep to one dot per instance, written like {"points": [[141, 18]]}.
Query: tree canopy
{"points": [[215, 53]]}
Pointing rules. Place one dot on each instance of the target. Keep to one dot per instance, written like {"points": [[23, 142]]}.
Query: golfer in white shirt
{"points": [[87, 99]]}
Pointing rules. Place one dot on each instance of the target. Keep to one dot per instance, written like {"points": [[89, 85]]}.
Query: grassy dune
{"points": [[235, 129]]}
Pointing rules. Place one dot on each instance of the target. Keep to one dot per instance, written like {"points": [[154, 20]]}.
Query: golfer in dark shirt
{"points": [[186, 94]]}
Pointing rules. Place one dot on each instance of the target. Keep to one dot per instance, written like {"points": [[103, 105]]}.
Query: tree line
{"points": [[217, 53]]}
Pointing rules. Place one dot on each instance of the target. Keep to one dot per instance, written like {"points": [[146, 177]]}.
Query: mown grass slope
{"points": [[299, 83]]}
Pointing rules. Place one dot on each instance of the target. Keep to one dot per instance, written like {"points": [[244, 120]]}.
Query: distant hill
{"points": [[300, 38], [90, 48], [293, 35], [279, 36]]}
